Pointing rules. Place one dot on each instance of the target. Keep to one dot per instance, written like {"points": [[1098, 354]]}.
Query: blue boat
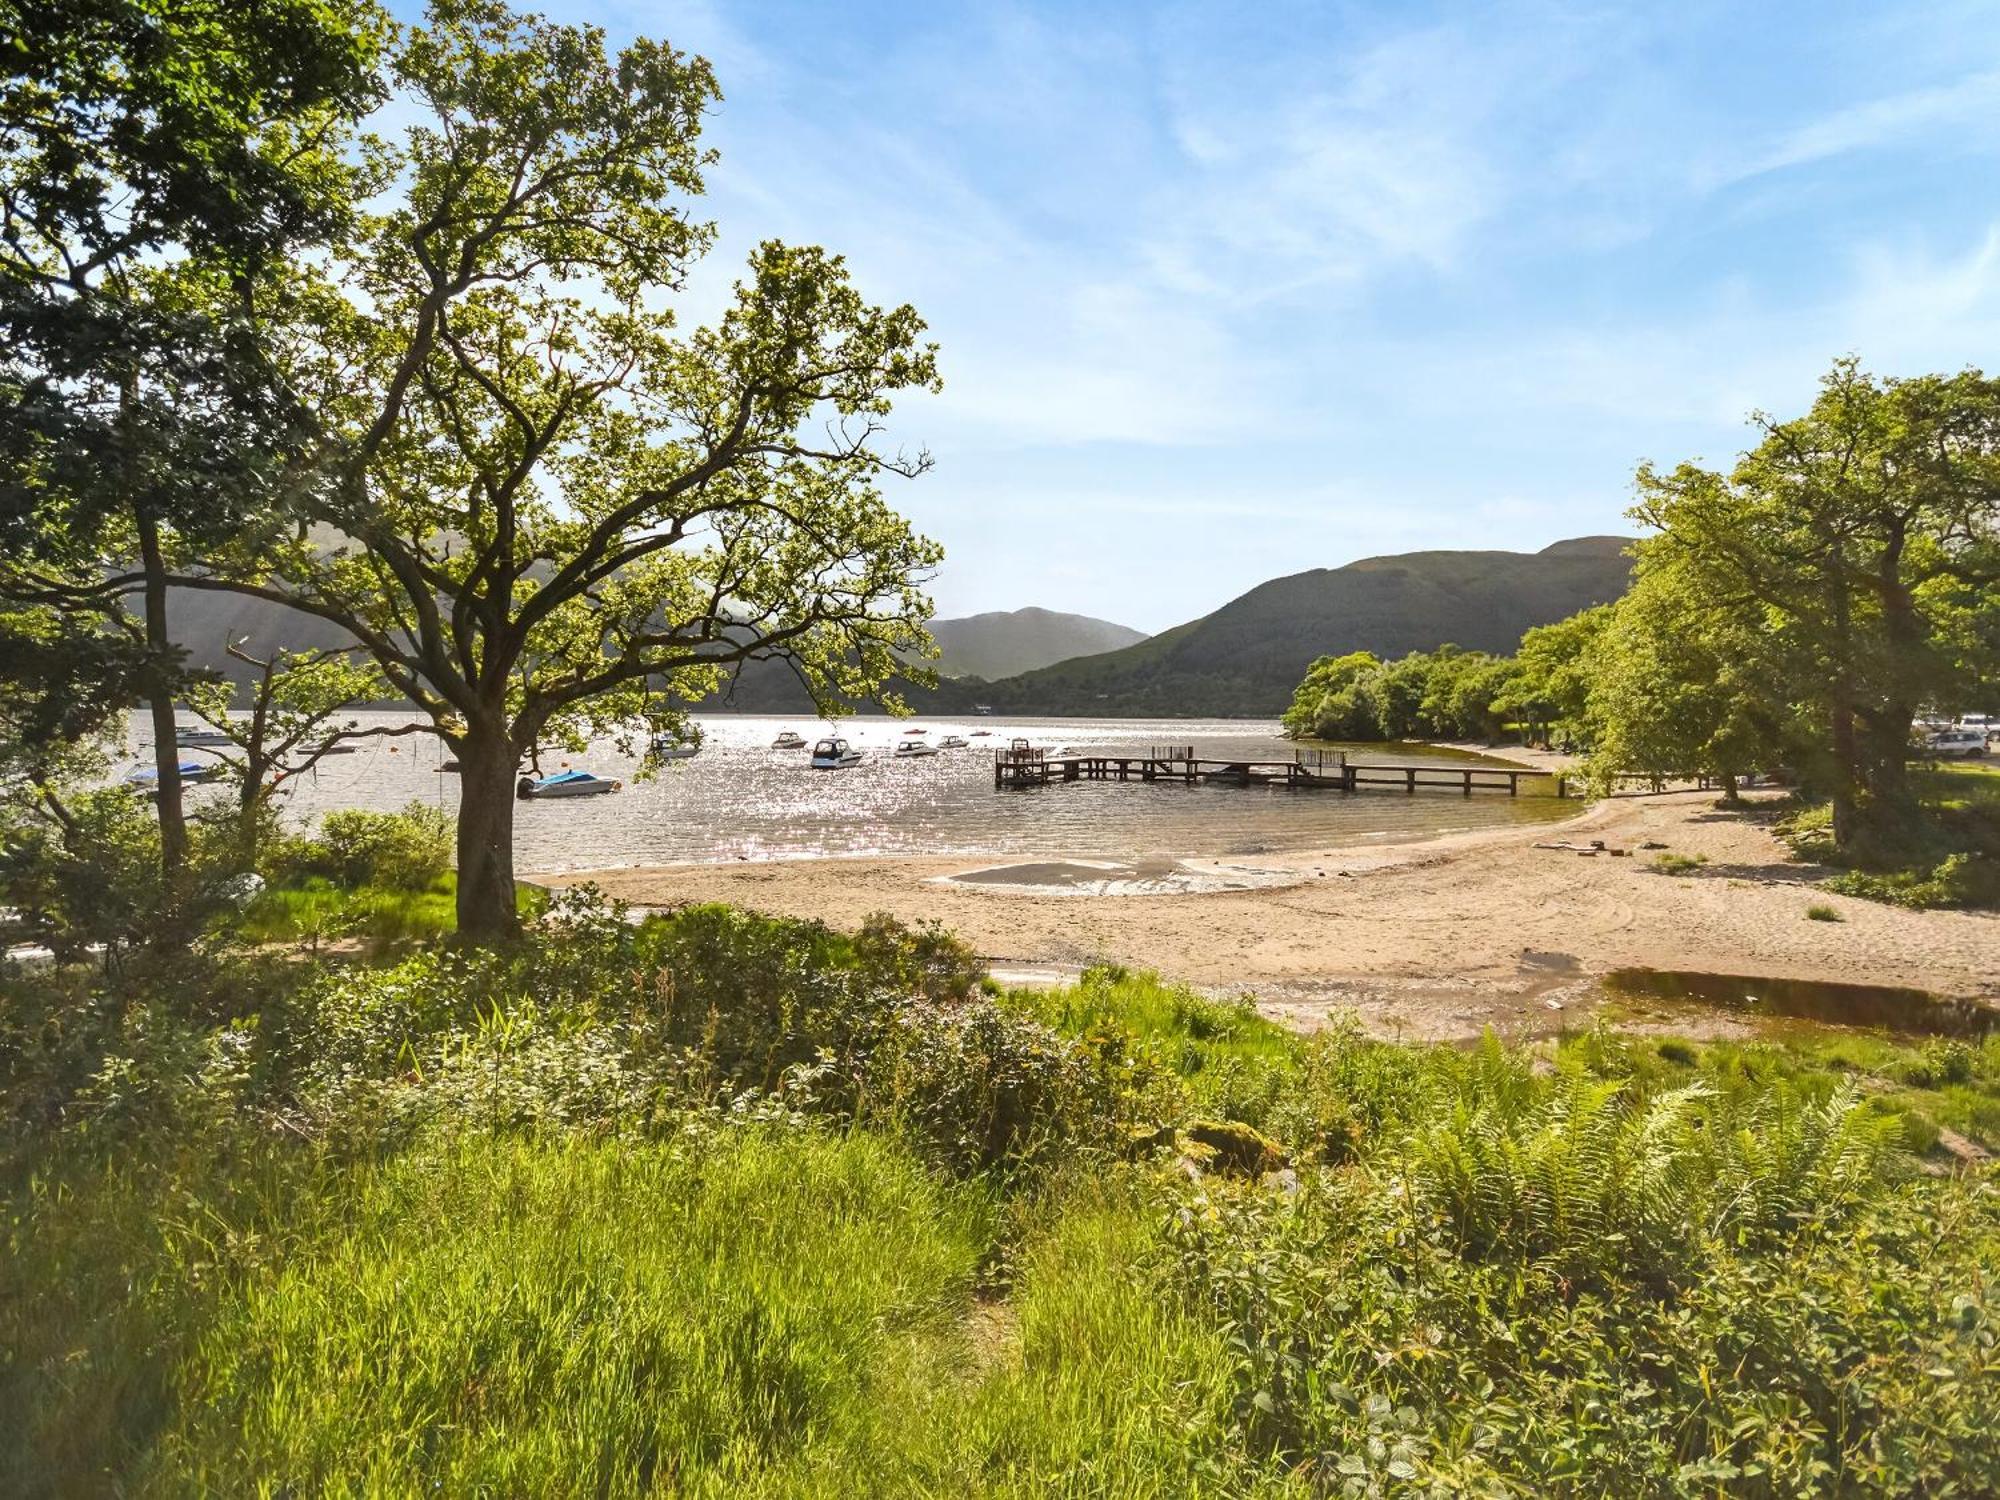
{"points": [[191, 770], [566, 784]]}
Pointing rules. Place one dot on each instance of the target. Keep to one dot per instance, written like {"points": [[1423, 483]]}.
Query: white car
{"points": [[1948, 744]]}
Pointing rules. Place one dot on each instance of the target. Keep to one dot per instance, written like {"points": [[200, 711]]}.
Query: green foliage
{"points": [[1819, 911], [1678, 684], [1442, 694], [315, 912], [81, 869], [1847, 563], [773, 1209], [400, 851], [1946, 853]]}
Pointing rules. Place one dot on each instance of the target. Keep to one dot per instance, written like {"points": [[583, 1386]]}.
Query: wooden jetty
{"points": [[1024, 765]]}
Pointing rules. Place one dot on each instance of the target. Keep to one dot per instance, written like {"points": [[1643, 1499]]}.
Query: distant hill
{"points": [[1005, 643], [999, 644], [1247, 656]]}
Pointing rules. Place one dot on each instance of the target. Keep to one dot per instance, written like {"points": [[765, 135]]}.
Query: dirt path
{"points": [[1431, 939]]}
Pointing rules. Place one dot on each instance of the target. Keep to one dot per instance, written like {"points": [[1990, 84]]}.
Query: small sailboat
{"points": [[834, 754], [791, 739], [954, 742], [915, 750], [566, 784]]}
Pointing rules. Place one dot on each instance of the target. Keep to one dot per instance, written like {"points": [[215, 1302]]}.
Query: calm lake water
{"points": [[740, 799]]}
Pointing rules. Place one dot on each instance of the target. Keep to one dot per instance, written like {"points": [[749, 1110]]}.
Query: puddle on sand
{"points": [[1117, 877], [1885, 1007]]}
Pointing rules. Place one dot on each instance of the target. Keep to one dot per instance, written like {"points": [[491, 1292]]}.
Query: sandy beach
{"points": [[1437, 938]]}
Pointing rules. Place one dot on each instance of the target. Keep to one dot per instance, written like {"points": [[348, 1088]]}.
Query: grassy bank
{"points": [[1949, 857], [718, 1205]]}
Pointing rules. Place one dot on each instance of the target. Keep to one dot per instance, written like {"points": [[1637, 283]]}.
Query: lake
{"points": [[740, 799]]}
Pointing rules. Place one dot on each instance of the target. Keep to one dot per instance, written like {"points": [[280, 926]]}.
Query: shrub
{"points": [[1820, 912], [405, 851], [1962, 879], [1941, 1062]]}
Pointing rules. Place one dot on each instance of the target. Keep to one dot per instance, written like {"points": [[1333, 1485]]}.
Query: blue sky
{"points": [[1225, 292]]}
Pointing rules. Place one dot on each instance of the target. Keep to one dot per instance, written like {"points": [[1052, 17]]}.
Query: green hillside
{"points": [[1005, 643], [1247, 656]]}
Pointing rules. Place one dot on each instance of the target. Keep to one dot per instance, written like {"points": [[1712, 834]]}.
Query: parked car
{"points": [[1952, 744]]}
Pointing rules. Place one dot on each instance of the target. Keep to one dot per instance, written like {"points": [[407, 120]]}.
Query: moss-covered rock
{"points": [[1231, 1147]]}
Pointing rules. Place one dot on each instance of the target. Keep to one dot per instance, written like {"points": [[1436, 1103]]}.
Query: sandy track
{"points": [[1436, 938]]}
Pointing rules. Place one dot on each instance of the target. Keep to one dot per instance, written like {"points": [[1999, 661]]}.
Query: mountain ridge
{"points": [[1005, 643], [1245, 657]]}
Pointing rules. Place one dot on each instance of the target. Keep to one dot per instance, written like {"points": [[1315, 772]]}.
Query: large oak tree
{"points": [[1858, 546], [544, 508]]}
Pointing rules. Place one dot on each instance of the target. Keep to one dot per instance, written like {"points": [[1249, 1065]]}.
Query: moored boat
{"points": [[791, 739], [566, 784], [954, 742], [834, 754], [666, 747], [914, 750], [192, 771], [196, 738]]}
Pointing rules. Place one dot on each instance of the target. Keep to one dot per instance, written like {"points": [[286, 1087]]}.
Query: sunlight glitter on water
{"points": [[741, 799]]}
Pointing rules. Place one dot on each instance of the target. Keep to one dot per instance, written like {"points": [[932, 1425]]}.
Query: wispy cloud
{"points": [[1970, 103]]}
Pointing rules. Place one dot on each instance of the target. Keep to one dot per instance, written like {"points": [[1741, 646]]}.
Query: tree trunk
{"points": [[1731, 792], [486, 765], [1843, 773], [160, 700]]}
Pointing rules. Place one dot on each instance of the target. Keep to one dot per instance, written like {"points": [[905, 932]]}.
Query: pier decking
{"points": [[1023, 765]]}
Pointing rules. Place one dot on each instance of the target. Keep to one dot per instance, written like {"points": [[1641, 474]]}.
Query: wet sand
{"points": [[1431, 939]]}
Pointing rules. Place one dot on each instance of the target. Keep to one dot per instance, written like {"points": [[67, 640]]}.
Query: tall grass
{"points": [[722, 1206], [318, 911], [603, 1318]]}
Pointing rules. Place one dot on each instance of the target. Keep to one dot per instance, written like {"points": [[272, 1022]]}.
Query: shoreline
{"points": [[1432, 938]]}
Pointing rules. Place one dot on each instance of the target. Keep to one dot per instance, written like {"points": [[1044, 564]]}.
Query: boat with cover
{"points": [[834, 754], [194, 771], [954, 742], [566, 784], [791, 739], [914, 750]]}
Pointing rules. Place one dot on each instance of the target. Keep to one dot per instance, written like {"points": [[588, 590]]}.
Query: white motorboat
{"points": [[914, 750], [834, 754], [954, 742], [666, 747], [566, 784], [196, 738], [791, 739]]}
